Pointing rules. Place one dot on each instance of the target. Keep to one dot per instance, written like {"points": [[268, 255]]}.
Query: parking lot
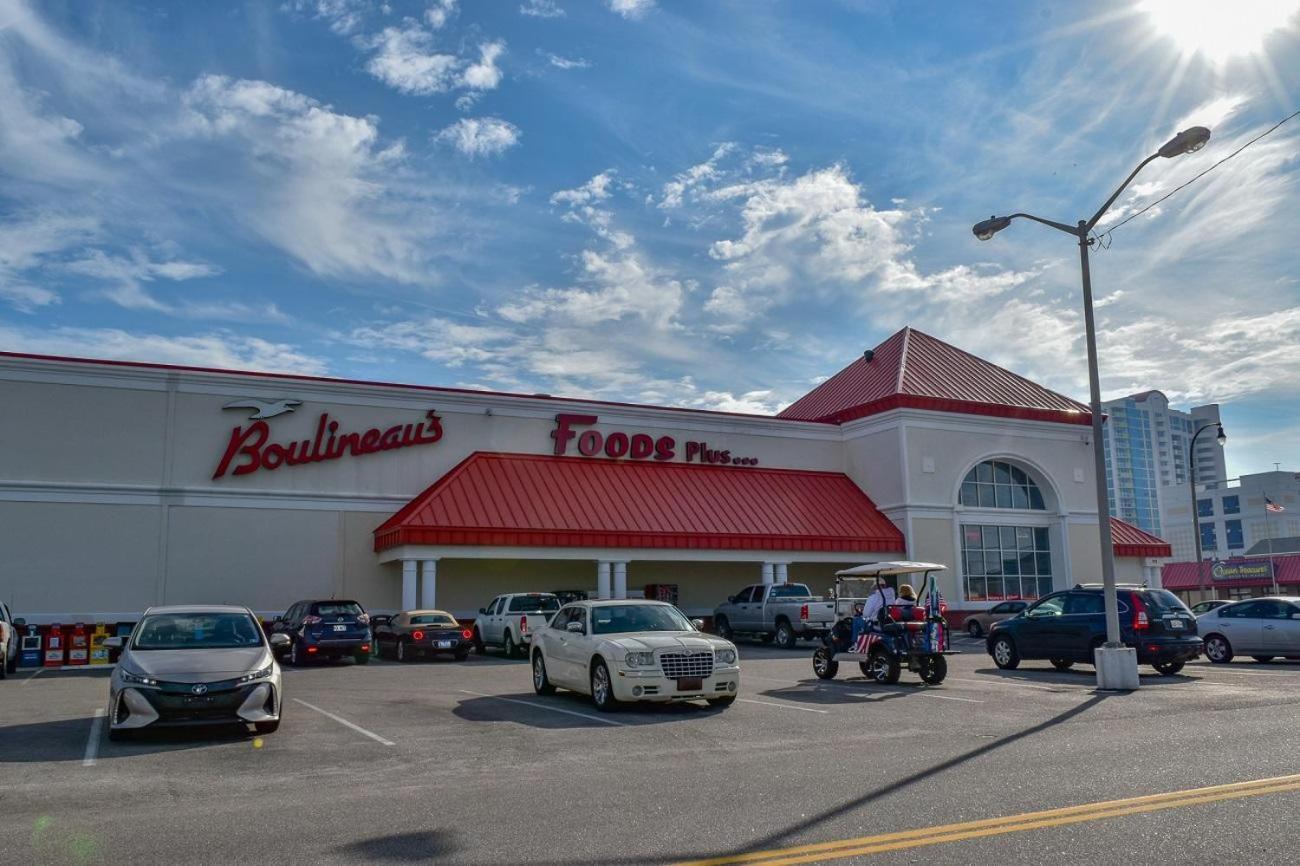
{"points": [[462, 763]]}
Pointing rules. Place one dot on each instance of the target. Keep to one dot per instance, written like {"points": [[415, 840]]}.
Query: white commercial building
{"points": [[1232, 515], [124, 485]]}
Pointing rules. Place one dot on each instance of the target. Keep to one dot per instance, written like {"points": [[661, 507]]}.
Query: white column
{"points": [[409, 567], [769, 573], [602, 579], [429, 583], [782, 574], [620, 579]]}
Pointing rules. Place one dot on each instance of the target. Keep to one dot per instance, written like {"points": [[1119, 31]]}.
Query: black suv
{"points": [[325, 629], [1065, 627]]}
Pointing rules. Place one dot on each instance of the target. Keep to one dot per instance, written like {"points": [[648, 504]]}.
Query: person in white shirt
{"points": [[882, 597]]}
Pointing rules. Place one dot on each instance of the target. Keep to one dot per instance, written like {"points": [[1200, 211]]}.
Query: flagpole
{"points": [[1268, 527]]}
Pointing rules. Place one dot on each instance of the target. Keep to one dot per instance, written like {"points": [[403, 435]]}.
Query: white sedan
{"points": [[619, 651]]}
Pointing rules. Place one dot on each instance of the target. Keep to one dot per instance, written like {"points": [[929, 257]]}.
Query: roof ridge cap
{"points": [[902, 359]]}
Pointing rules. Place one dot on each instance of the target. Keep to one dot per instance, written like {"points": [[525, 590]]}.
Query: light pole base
{"points": [[1117, 668]]}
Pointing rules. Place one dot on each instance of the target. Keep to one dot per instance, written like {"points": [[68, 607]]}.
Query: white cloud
{"points": [[480, 136], [566, 63], [220, 349], [437, 339], [343, 16], [541, 9], [439, 13], [406, 60], [485, 74], [631, 9], [128, 274], [596, 189], [675, 189], [28, 245], [315, 183]]}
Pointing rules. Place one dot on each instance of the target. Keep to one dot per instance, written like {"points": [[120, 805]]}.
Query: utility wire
{"points": [[1106, 234]]}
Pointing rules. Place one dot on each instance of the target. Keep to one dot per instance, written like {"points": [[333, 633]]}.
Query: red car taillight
{"points": [[803, 612], [1140, 621], [523, 623], [466, 633], [311, 650], [417, 635], [310, 619]]}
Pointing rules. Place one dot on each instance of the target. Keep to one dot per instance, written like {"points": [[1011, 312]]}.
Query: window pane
{"points": [[985, 472], [976, 588], [1044, 584], [971, 535], [1040, 538], [970, 494], [990, 537], [1003, 494], [1008, 534], [1036, 499], [1024, 538], [994, 591], [1044, 563], [1019, 497], [1002, 474], [1018, 476], [987, 499], [1010, 564], [992, 563], [1028, 564]]}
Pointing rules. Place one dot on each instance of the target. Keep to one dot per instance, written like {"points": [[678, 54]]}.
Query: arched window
{"points": [[998, 484]]}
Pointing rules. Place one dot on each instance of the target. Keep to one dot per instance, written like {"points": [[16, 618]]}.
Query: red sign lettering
{"points": [[248, 444], [619, 445]]}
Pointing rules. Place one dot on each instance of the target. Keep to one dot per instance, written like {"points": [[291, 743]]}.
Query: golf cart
{"points": [[914, 634]]}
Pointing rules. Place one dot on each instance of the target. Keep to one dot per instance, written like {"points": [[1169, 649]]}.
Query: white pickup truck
{"points": [[784, 611], [510, 620]]}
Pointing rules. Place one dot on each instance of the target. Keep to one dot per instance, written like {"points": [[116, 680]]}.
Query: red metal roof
{"points": [[544, 501], [914, 370], [1184, 575], [1128, 540]]}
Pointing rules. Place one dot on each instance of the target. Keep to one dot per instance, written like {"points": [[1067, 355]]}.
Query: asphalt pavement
{"points": [[446, 762]]}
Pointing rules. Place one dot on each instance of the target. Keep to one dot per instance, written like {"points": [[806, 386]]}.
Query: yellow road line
{"points": [[1009, 824]]}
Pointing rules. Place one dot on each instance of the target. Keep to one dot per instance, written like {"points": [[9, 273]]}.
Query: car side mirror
{"points": [[280, 641], [575, 628], [114, 642], [698, 623]]}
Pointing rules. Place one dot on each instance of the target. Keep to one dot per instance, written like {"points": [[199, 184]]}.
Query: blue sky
{"points": [[706, 204]]}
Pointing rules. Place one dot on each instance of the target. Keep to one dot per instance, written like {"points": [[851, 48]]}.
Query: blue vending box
{"points": [[30, 648]]}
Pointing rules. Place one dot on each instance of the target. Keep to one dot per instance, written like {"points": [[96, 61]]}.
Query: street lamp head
{"points": [[1222, 438], [986, 229], [1188, 141]]}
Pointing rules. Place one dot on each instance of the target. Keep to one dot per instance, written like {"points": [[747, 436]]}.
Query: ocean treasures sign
{"points": [[248, 449], [1243, 569]]}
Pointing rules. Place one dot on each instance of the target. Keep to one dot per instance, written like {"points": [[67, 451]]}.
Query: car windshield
{"points": [[534, 604], [336, 608], [624, 618], [172, 631], [433, 619]]}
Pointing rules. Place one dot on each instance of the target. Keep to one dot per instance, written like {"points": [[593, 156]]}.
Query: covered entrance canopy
{"points": [[520, 506]]}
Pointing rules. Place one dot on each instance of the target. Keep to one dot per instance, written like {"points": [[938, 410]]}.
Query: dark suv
{"points": [[325, 629], [1065, 627]]}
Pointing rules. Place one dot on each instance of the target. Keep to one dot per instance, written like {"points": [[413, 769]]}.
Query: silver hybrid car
{"points": [[195, 665]]}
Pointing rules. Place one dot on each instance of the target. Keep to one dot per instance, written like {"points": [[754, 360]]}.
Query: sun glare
{"points": [[1216, 29]]}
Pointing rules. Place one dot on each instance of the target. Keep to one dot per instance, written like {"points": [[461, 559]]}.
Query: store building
{"points": [[1232, 516], [124, 485], [1236, 578]]}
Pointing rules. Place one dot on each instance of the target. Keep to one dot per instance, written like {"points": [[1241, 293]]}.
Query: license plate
{"points": [[444, 644], [1177, 624], [340, 628], [690, 685]]}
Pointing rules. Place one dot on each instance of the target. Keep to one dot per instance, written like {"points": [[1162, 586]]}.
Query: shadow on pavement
{"points": [[417, 847], [1080, 675], [556, 712], [846, 692], [65, 740], [786, 834]]}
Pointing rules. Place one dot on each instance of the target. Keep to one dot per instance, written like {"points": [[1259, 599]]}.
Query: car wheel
{"points": [[509, 646], [882, 666], [1168, 669], [1263, 659], [824, 666], [934, 669], [403, 654], [297, 657], [785, 636], [722, 703], [602, 689], [1062, 664], [1217, 649], [361, 658], [541, 682], [479, 649], [267, 727], [1004, 654], [723, 628], [12, 667], [974, 629]]}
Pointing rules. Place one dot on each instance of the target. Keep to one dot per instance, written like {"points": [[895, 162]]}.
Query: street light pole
{"points": [[1116, 664], [1196, 514]]}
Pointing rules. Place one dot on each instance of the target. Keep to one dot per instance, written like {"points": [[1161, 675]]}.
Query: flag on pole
{"points": [[1270, 505]]}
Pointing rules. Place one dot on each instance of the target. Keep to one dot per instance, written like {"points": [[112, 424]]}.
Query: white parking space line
{"points": [[1284, 675], [34, 675], [782, 706], [949, 698], [1004, 681], [345, 723], [540, 706], [92, 742]]}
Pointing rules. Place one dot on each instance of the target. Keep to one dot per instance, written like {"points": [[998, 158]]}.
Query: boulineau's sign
{"points": [[248, 449], [619, 445]]}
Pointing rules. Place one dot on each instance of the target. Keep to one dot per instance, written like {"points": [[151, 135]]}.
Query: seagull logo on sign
{"points": [[263, 409], [200, 690]]}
